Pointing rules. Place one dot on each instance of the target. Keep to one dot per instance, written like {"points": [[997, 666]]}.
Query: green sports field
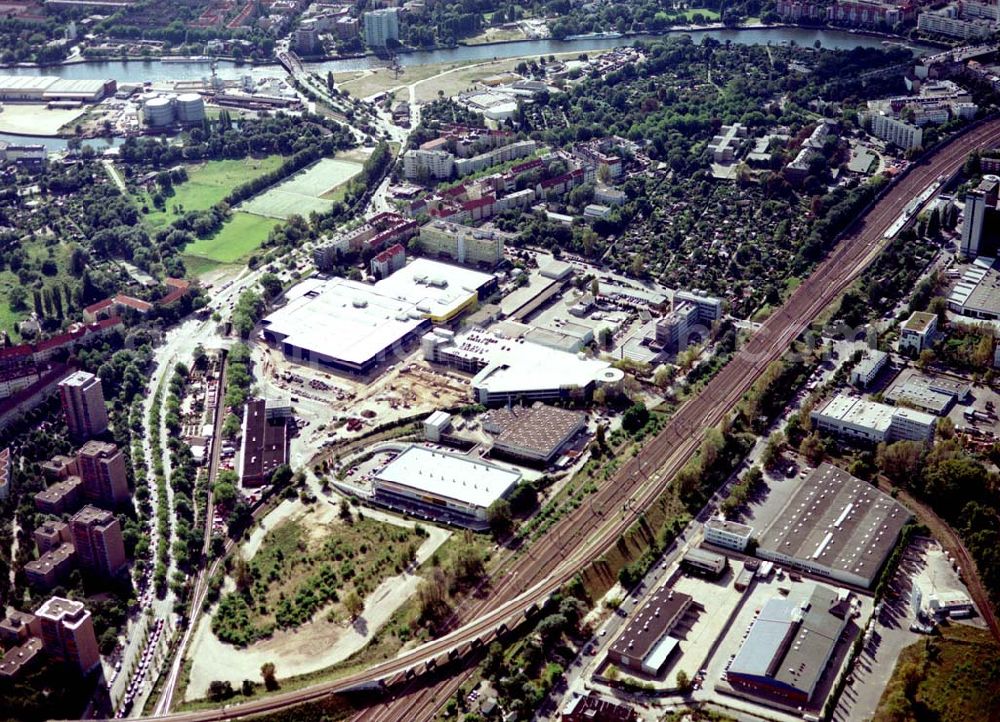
{"points": [[304, 192], [239, 237], [207, 184]]}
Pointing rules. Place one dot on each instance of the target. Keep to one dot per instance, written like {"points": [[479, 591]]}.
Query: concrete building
{"points": [[917, 332], [535, 434], [389, 261], [898, 132], [728, 534], [102, 468], [450, 488], [511, 371], [21, 659], [436, 425], [978, 203], [67, 633], [835, 525], [463, 244], [594, 708], [787, 650], [97, 538], [49, 88], [419, 164], [725, 146], [946, 21], [674, 329], [18, 627], [931, 393], [61, 497], [871, 422], [381, 26], [704, 562], [645, 645], [379, 231], [709, 307], [977, 293], [869, 367], [264, 446], [83, 404], [52, 567], [51, 534], [350, 326]]}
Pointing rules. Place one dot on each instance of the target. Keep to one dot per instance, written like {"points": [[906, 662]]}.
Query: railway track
{"points": [[584, 535]]}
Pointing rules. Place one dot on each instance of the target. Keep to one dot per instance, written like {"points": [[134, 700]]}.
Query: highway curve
{"points": [[586, 533]]}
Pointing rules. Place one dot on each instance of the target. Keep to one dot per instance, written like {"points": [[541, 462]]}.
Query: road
{"points": [[585, 534]]}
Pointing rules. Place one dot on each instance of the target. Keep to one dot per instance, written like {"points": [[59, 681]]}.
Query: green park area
{"points": [[48, 263], [302, 569], [207, 184], [240, 236], [310, 190], [954, 677]]}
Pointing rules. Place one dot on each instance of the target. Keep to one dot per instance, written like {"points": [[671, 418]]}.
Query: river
{"points": [[138, 71]]}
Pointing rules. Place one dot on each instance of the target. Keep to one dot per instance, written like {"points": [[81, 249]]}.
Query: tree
{"points": [[926, 359], [683, 682], [772, 451], [901, 462], [595, 288], [219, 690], [268, 671], [813, 448], [499, 517], [635, 417], [354, 604]]}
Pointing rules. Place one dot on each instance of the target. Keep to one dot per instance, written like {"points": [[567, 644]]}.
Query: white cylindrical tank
{"points": [[190, 108], [158, 112]]}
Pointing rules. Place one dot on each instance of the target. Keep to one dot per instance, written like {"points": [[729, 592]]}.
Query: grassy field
{"points": [[305, 191], [952, 678], [240, 236], [207, 184], [299, 569], [382, 79], [37, 251], [710, 15]]}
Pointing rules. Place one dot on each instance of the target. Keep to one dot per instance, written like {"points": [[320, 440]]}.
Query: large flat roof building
{"points": [[49, 88], [835, 525], [537, 433], [451, 487], [728, 534], [515, 370], [977, 293], [264, 444], [351, 326], [646, 644], [872, 422], [789, 646]]}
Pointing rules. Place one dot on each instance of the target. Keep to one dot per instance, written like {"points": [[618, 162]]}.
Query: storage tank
{"points": [[158, 112], [190, 108]]}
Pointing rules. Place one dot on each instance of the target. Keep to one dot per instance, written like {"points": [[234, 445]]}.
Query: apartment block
{"points": [[67, 633], [102, 469], [83, 403], [464, 244], [61, 497], [97, 536]]}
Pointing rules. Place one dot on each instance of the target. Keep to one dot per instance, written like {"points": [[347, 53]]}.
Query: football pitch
{"points": [[302, 192]]}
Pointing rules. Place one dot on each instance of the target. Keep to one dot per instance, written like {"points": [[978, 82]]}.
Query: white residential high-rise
{"points": [[381, 26], [976, 202]]}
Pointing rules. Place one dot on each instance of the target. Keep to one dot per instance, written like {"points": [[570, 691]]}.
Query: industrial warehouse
{"points": [[646, 643], [789, 646], [349, 326], [50, 89], [509, 371], [534, 434], [451, 488], [835, 525]]}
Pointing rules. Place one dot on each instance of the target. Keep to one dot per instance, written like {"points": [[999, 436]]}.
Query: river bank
{"points": [[831, 38]]}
